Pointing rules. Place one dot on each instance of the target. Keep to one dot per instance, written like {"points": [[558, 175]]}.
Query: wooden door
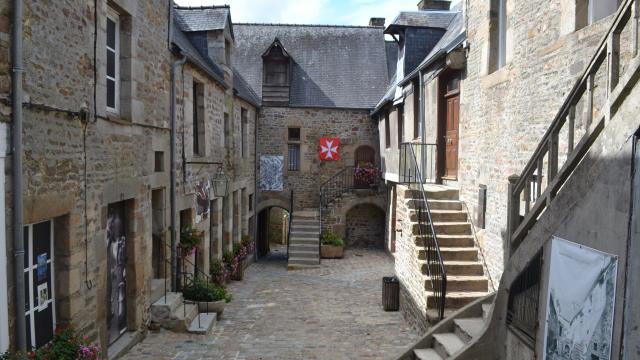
{"points": [[451, 135], [365, 156]]}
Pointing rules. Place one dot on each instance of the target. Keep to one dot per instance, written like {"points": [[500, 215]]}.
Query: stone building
{"points": [[97, 162], [315, 82]]}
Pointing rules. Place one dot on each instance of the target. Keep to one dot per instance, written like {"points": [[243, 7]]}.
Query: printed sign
{"points": [[43, 296], [42, 267]]}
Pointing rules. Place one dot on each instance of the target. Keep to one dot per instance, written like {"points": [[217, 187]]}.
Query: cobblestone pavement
{"points": [[332, 312]]}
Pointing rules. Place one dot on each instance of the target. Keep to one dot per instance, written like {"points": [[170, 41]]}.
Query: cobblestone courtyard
{"points": [[332, 312]]}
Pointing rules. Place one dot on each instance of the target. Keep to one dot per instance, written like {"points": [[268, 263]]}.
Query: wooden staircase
{"points": [[304, 240], [466, 280]]}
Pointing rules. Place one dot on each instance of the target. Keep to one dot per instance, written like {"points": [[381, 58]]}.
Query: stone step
{"points": [[447, 344], [444, 205], [462, 283], [181, 318], [468, 268], [165, 306], [303, 222], [441, 193], [302, 261], [445, 240], [426, 354], [455, 299], [452, 253], [468, 328], [305, 215], [304, 241], [304, 234], [203, 323], [448, 216], [304, 254], [452, 228], [486, 311], [303, 247]]}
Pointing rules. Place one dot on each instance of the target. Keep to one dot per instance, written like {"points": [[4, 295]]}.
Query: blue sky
{"points": [[337, 12]]}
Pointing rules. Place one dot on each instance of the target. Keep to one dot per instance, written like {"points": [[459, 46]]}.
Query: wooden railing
{"points": [[558, 154]]}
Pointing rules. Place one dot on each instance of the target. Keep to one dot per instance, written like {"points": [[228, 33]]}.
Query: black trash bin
{"points": [[390, 293]]}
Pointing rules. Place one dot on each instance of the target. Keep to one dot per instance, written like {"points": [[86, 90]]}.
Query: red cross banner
{"points": [[329, 149]]}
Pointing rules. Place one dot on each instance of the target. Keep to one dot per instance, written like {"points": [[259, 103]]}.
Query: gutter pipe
{"points": [[174, 244], [16, 175]]}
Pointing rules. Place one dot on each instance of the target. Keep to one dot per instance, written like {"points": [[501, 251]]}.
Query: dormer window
{"points": [[275, 82]]}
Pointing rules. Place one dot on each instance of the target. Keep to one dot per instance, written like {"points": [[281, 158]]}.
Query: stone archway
{"points": [[365, 227]]}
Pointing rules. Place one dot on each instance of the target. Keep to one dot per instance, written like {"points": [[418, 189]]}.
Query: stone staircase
{"points": [[170, 312], [466, 280], [304, 239], [453, 336]]}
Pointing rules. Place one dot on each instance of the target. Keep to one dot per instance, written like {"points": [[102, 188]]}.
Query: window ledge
{"points": [[497, 77]]}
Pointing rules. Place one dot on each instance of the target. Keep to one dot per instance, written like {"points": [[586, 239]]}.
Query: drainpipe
{"points": [[16, 176], [255, 186], [174, 221], [422, 127]]}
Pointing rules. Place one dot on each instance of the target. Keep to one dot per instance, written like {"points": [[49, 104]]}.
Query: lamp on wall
{"points": [[220, 183]]}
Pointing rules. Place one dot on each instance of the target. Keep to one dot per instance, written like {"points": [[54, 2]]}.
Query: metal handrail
{"points": [[428, 155], [340, 183], [435, 264], [290, 222], [545, 159]]}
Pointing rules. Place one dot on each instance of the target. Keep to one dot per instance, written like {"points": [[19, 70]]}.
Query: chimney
{"points": [[375, 21], [434, 5]]}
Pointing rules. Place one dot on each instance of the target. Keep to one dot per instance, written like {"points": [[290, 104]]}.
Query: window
{"points": [[498, 35], [158, 161], [198, 119], [39, 283], [113, 61], [293, 135], [400, 124], [276, 73], [416, 110], [227, 131], [227, 52], [250, 202], [590, 11], [244, 119], [387, 130]]}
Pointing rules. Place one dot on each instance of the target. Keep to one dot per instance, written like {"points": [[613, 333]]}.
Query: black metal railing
{"points": [[427, 232], [290, 222], [425, 162], [346, 181], [522, 307]]}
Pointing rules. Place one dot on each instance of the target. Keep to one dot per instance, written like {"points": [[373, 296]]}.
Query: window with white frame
{"points": [[40, 304], [498, 35], [113, 61], [590, 11]]}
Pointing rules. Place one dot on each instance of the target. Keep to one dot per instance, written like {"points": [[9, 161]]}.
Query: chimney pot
{"points": [[376, 21], [434, 5]]}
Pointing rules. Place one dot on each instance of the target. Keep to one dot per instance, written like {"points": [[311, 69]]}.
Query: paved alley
{"points": [[332, 312]]}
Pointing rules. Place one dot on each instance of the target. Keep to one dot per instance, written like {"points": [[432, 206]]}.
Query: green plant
{"points": [[236, 249], [246, 240], [66, 344], [329, 238], [201, 290], [227, 257], [219, 272], [189, 238]]}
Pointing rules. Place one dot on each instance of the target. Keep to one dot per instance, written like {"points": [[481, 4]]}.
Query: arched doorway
{"points": [[273, 231], [365, 227], [365, 156]]}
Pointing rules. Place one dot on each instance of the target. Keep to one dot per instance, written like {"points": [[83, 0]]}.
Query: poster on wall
{"points": [[43, 296], [203, 189], [271, 168], [329, 149], [580, 302]]}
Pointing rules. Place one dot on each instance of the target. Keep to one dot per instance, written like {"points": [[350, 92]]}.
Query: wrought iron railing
{"points": [[345, 181], [290, 222], [426, 230], [594, 97], [426, 155], [522, 307]]}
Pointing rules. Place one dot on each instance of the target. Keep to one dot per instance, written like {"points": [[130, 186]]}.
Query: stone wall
{"points": [[504, 114], [353, 127], [365, 227], [335, 218]]}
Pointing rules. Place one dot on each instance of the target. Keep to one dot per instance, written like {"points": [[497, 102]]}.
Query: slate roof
{"points": [[331, 66], [432, 19], [454, 36], [203, 18], [196, 57], [243, 90]]}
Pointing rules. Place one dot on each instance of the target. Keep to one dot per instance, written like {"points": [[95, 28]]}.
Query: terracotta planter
{"points": [[331, 252]]}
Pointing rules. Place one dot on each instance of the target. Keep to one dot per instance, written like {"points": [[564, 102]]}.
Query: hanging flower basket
{"points": [[366, 173]]}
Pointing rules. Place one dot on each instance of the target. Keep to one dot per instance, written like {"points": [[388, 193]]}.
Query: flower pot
{"points": [[238, 275], [331, 252]]}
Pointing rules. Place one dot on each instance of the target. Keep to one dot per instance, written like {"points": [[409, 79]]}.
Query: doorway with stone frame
{"points": [[448, 126]]}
